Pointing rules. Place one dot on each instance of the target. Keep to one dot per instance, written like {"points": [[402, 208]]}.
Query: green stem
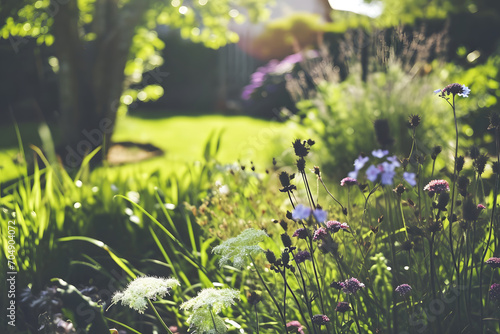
{"points": [[158, 316]]}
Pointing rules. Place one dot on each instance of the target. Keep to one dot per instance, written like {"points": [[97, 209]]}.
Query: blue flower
{"points": [[320, 215], [353, 174], [301, 212], [387, 177], [410, 178], [437, 91], [372, 173], [380, 153], [465, 92], [360, 162], [394, 161]]}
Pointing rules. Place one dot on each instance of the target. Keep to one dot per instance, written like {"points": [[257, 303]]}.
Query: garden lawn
{"points": [[182, 138]]}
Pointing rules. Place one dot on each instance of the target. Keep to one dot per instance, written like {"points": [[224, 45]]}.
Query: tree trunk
{"points": [[91, 74]]}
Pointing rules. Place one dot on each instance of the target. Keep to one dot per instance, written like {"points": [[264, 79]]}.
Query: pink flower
{"points": [[437, 187], [348, 181]]}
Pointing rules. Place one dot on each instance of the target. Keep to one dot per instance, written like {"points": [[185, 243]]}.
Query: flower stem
{"points": [[158, 316]]}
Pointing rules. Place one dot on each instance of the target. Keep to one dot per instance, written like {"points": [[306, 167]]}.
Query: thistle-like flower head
{"points": [[403, 289], [454, 89], [142, 288], [240, 247], [437, 187]]}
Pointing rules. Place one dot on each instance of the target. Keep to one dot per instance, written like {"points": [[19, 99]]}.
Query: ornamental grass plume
{"points": [[141, 289], [240, 247], [206, 306]]}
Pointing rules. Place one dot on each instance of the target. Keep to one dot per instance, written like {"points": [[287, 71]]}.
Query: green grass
{"points": [[182, 138]]}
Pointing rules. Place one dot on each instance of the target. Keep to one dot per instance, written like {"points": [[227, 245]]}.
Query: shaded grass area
{"points": [[182, 138]]}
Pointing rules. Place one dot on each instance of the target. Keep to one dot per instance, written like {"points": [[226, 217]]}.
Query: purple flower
{"points": [[394, 161], [360, 162], [454, 89], [437, 187], [380, 153], [301, 212], [320, 319], [387, 178], [302, 256], [410, 178], [495, 292], [372, 173], [403, 289], [494, 262], [301, 233], [352, 285], [295, 325], [343, 307], [348, 181], [334, 226], [320, 234], [320, 215]]}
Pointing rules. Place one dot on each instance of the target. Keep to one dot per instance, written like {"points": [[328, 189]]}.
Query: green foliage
{"points": [[342, 114]]}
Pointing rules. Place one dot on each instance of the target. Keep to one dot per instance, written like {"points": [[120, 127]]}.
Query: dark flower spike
{"points": [[300, 148], [480, 163], [413, 121], [301, 164], [336, 285], [254, 298], [460, 163], [462, 184], [343, 307], [493, 262], [435, 152], [285, 239], [442, 202], [474, 152], [271, 258]]}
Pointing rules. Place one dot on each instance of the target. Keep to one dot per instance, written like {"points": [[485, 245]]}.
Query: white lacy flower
{"points": [[240, 247], [209, 301], [142, 288]]}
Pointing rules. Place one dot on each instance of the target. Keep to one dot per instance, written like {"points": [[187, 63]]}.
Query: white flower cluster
{"points": [[206, 305], [240, 247], [142, 288]]}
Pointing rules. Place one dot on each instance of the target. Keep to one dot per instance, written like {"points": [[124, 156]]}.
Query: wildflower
{"points": [[301, 212], [348, 181], [320, 319], [400, 189], [320, 234], [454, 89], [302, 256], [380, 153], [413, 121], [335, 226], [240, 247], [403, 289], [285, 239], [336, 285], [300, 148], [300, 233], [343, 307], [285, 178], [437, 187], [462, 184], [372, 173], [360, 162], [495, 291], [481, 207], [442, 202], [254, 298], [352, 285], [474, 152], [480, 162], [320, 215], [271, 258], [206, 305], [459, 163], [141, 289], [494, 262], [295, 326], [435, 152], [410, 178], [301, 164]]}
